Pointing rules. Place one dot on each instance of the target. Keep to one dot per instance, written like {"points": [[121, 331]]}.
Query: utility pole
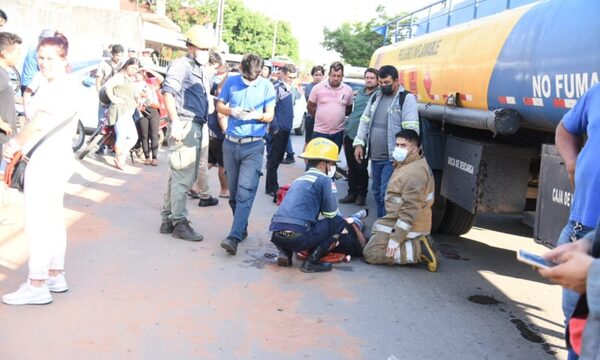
{"points": [[274, 41], [219, 29]]}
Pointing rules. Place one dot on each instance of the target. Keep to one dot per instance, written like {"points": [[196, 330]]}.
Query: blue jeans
{"points": [[243, 163], [289, 150], [381, 172], [337, 138], [570, 297]]}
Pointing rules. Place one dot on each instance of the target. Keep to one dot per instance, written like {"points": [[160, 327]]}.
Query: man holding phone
{"points": [[249, 101], [578, 271]]}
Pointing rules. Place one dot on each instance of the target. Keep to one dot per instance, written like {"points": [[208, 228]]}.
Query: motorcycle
{"points": [[105, 135]]}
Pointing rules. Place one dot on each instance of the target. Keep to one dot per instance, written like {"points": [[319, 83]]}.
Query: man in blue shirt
{"points": [[583, 167], [184, 91], [249, 101], [280, 127], [295, 224]]}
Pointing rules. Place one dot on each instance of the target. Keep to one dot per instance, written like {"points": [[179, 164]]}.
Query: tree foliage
{"points": [[243, 30], [356, 41]]}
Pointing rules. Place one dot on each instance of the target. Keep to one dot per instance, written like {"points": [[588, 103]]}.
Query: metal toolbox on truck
{"points": [[555, 196]]}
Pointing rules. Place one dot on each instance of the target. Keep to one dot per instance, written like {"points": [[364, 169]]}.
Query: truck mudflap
{"points": [[486, 177], [555, 196]]}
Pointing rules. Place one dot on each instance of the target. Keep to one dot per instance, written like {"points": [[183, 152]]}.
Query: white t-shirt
{"points": [[60, 100]]}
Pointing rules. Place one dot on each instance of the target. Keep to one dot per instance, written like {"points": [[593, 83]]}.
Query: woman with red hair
{"points": [[54, 110]]}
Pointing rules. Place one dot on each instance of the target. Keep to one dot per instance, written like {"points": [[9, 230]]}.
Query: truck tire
{"points": [[79, 137], [456, 221], [439, 204]]}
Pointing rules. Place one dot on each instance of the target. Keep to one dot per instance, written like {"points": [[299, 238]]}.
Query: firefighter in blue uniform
{"points": [[296, 225]]}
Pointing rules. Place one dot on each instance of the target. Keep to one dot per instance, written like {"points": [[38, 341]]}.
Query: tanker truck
{"points": [[491, 90]]}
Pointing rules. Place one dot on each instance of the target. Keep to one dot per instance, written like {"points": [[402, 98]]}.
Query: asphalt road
{"points": [[138, 294]]}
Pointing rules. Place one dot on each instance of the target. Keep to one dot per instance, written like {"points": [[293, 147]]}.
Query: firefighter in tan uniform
{"points": [[402, 235]]}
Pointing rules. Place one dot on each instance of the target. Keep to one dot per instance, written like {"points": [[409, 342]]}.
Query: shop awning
{"points": [[166, 36]]}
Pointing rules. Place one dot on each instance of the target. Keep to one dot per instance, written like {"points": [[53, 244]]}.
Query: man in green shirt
{"points": [[358, 176]]}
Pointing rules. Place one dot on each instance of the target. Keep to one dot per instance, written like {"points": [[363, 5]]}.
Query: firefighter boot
{"points": [[312, 263], [428, 253]]}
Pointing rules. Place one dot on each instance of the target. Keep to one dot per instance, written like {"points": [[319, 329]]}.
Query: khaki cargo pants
{"points": [[374, 252], [183, 163]]}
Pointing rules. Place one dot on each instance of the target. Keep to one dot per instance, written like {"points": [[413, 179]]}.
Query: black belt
{"points": [[288, 234], [243, 140]]}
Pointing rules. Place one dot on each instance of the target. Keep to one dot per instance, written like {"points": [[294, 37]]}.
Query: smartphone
{"points": [[533, 260]]}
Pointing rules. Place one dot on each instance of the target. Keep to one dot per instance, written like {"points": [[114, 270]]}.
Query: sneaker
{"points": [[193, 194], [57, 284], [211, 201], [28, 295], [428, 253], [360, 200], [102, 150], [230, 245], [361, 214], [288, 160], [348, 199], [183, 230], [245, 234], [166, 227]]}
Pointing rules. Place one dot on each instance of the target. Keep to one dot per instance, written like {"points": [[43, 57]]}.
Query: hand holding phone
{"points": [[534, 260]]}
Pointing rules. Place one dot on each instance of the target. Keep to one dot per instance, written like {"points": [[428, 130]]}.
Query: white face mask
{"points": [[201, 57], [248, 82], [331, 171], [400, 154]]}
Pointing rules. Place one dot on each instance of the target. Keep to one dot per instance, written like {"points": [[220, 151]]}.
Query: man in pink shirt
{"points": [[329, 103]]}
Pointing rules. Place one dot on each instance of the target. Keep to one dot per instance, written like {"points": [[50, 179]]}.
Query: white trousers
{"points": [[45, 180], [127, 135]]}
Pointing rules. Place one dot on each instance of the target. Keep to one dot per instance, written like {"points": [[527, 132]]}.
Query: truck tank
{"points": [[534, 61]]}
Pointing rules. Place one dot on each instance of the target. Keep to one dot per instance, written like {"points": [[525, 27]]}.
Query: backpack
{"points": [[401, 98]]}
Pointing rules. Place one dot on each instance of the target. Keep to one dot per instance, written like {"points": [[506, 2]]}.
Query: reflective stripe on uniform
{"points": [[403, 225], [410, 125], [412, 235], [394, 199], [383, 228], [430, 196], [410, 257], [309, 178], [330, 214]]}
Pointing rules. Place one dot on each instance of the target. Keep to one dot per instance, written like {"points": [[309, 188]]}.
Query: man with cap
{"points": [[186, 101], [296, 225]]}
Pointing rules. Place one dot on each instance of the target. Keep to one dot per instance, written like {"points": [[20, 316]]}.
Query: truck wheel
{"points": [[457, 221], [439, 204], [300, 129]]}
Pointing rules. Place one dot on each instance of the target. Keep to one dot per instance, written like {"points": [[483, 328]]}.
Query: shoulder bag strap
{"points": [[52, 132]]}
